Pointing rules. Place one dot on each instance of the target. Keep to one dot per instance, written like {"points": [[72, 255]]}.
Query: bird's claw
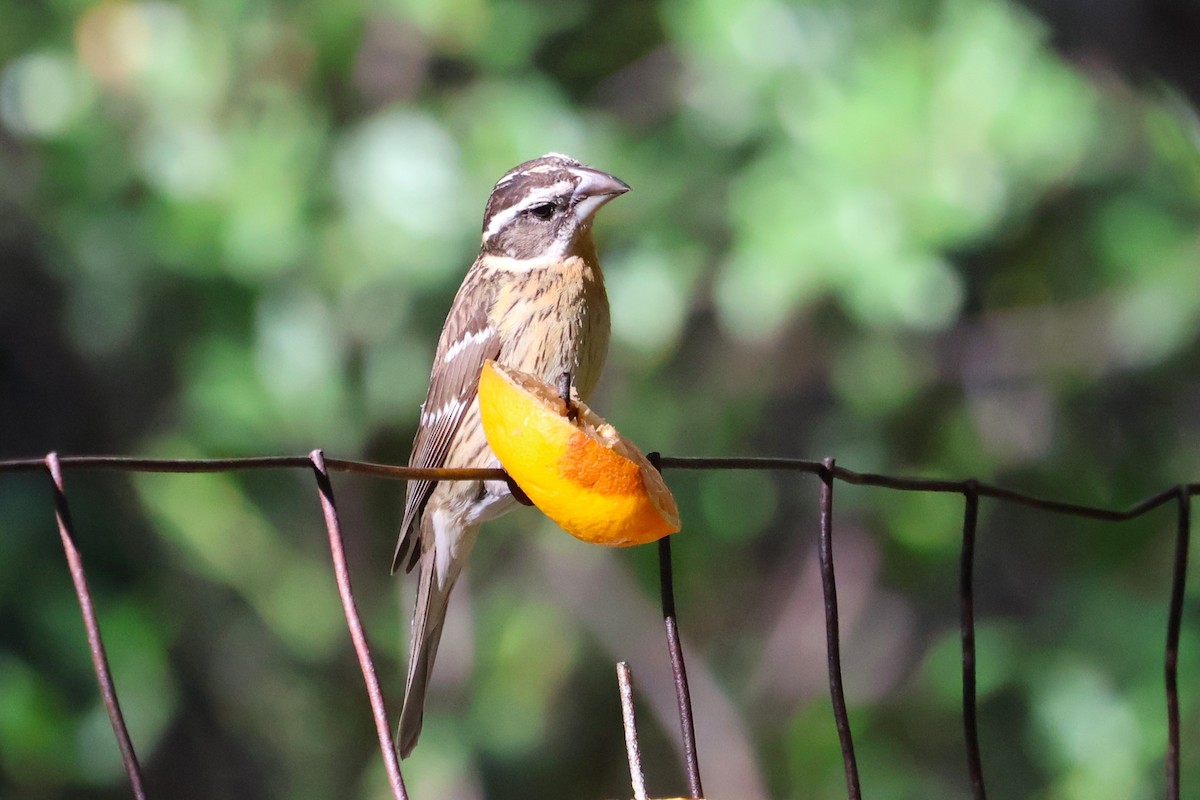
{"points": [[517, 492], [564, 389]]}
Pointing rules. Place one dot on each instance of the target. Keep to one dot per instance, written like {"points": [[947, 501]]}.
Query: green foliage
{"points": [[909, 235]]}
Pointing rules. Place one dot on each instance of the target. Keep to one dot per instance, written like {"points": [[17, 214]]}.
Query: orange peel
{"points": [[575, 467]]}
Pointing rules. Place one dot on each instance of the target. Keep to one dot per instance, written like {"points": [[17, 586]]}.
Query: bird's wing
{"points": [[468, 339]]}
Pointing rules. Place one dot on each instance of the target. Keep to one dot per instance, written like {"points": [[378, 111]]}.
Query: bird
{"points": [[533, 300]]}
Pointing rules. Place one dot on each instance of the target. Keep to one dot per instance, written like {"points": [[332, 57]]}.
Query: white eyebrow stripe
{"points": [[500, 220], [542, 195]]}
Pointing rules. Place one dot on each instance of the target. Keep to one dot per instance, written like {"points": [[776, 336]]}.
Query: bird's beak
{"points": [[595, 188]]}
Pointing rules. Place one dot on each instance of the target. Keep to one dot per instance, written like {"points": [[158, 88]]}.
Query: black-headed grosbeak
{"points": [[533, 300]]}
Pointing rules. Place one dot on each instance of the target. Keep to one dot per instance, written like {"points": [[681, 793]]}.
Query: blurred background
{"points": [[927, 237]]}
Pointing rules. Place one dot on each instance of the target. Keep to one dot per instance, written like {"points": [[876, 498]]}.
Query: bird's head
{"points": [[544, 207]]}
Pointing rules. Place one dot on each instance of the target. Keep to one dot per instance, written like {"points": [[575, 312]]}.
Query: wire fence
{"points": [[826, 471]]}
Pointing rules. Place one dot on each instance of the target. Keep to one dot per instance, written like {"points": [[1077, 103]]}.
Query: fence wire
{"points": [[827, 472]]}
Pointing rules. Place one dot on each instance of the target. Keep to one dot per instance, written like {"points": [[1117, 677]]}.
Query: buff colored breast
{"points": [[565, 309]]}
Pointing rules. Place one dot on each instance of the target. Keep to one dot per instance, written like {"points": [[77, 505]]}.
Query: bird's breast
{"points": [[555, 319]]}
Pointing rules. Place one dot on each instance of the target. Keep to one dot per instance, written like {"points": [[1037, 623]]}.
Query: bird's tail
{"points": [[429, 615]]}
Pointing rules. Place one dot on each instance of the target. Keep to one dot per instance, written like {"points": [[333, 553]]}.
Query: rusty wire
{"points": [[361, 648], [66, 532], [833, 649], [966, 588], [826, 471], [683, 696], [1183, 528]]}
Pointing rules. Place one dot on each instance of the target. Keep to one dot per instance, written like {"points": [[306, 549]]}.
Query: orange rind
{"points": [[572, 464]]}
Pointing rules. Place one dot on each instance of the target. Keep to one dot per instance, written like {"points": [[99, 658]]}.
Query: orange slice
{"points": [[580, 472]]}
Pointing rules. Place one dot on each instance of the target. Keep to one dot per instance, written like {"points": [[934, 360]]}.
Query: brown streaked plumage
{"points": [[534, 300]]}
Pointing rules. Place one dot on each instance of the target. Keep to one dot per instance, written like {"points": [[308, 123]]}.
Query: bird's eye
{"points": [[542, 211]]}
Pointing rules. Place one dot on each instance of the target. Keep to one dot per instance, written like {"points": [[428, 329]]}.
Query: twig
{"points": [[624, 682]]}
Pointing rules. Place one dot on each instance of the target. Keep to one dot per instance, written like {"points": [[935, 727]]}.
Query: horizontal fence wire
{"points": [[941, 485], [828, 472]]}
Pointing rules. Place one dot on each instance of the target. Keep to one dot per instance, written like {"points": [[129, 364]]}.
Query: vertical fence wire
{"points": [[966, 588], [361, 648], [832, 645], [1174, 623], [108, 691], [683, 696]]}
